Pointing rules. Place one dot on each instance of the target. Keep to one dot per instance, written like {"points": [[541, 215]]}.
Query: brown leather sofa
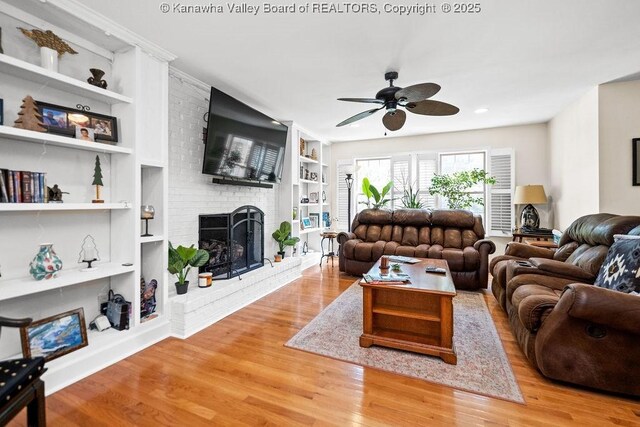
{"points": [[454, 235], [568, 328]]}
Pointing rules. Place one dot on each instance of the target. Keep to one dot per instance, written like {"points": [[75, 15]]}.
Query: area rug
{"points": [[482, 368]]}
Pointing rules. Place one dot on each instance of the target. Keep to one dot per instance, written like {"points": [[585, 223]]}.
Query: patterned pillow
{"points": [[621, 268]]}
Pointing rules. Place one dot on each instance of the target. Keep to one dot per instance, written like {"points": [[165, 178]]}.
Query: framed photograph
{"points": [[55, 336], [63, 121], [315, 220], [85, 134], [313, 197], [305, 222], [326, 219], [313, 176], [636, 161]]}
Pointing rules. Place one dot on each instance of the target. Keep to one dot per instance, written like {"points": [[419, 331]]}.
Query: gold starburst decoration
{"points": [[48, 39]]}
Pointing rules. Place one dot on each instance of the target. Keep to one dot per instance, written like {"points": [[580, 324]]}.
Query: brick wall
{"points": [[190, 192]]}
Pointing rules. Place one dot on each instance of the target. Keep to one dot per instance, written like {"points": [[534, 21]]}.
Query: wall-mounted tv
{"points": [[243, 145]]}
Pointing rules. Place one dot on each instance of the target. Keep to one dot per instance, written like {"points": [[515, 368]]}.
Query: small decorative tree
{"points": [[97, 180], [455, 187], [29, 117]]}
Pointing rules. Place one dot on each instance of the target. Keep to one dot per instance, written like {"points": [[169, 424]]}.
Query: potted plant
{"points": [[283, 237], [411, 197], [181, 259], [455, 187], [371, 192]]}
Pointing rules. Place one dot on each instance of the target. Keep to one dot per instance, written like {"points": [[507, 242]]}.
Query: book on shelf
{"points": [[23, 187]]}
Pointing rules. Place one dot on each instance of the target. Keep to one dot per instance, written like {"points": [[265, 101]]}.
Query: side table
{"points": [[518, 235], [331, 235]]}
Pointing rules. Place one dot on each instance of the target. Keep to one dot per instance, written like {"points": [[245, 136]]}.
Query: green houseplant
{"points": [[283, 236], [371, 192], [181, 260], [455, 187], [410, 197]]}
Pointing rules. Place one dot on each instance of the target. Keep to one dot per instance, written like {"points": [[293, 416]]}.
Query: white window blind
{"points": [[401, 173], [427, 168], [501, 164], [342, 195]]}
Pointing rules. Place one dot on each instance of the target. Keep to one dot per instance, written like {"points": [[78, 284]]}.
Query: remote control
{"points": [[437, 270]]}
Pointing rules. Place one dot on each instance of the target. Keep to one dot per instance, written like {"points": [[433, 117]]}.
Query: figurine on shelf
{"points": [[147, 297], [314, 154], [29, 117], [96, 78], [97, 181], [301, 147], [55, 194], [89, 253]]}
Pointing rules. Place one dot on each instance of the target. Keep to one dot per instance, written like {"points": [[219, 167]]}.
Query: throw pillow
{"points": [[620, 270]]}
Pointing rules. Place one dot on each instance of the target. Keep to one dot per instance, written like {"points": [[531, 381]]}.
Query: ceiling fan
{"points": [[414, 98]]}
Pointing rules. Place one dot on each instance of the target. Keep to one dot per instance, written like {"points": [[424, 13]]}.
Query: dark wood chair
{"points": [[20, 384]]}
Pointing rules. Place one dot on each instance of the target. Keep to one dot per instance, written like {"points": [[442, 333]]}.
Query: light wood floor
{"points": [[237, 372]]}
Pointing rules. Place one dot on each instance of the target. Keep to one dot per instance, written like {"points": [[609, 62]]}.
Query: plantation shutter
{"points": [[342, 168], [501, 213], [400, 175], [427, 168]]}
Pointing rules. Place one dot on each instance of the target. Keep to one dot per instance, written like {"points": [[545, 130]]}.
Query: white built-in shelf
{"points": [[151, 239], [37, 207], [151, 164], [309, 230], [308, 181], [16, 134], [307, 160], [36, 74], [308, 204], [14, 288]]}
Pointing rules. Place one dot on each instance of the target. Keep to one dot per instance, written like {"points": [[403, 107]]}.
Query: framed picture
{"points": [[315, 220], [326, 219], [313, 197], [305, 222], [85, 134], [636, 161], [63, 121], [55, 336]]}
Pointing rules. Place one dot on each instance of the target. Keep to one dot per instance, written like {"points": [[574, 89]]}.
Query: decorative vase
{"points": [[49, 58], [182, 289], [96, 78], [46, 263]]}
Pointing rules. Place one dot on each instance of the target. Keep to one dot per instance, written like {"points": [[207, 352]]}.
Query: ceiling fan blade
{"points": [[418, 92], [432, 108], [366, 100], [358, 116], [394, 120]]}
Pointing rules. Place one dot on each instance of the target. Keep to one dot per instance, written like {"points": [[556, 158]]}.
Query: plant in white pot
{"points": [[181, 260], [283, 236]]}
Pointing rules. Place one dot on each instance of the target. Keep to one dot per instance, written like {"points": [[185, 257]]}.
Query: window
{"points": [[457, 162], [427, 167], [500, 206], [379, 173]]}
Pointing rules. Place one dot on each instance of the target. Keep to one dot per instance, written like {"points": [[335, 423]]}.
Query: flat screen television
{"points": [[243, 145]]}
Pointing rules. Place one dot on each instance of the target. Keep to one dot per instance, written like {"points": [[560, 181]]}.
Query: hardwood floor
{"points": [[237, 372]]}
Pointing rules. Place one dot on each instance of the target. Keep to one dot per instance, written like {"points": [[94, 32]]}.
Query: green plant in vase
{"points": [[181, 260], [283, 236], [378, 196]]}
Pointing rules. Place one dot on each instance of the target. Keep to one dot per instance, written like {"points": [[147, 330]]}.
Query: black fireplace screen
{"points": [[235, 242]]}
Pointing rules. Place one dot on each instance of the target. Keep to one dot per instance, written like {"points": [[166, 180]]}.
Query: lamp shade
{"points": [[530, 194]]}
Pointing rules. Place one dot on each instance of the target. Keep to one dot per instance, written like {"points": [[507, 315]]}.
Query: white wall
{"points": [[529, 143], [619, 123], [190, 192], [573, 160]]}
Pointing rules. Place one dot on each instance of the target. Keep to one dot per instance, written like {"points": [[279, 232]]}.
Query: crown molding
{"points": [[190, 80], [111, 28]]}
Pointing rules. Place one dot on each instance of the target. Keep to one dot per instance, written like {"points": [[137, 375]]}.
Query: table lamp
{"points": [[529, 195]]}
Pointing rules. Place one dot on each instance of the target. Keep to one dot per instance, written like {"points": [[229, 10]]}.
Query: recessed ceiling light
{"points": [[481, 110], [355, 125]]}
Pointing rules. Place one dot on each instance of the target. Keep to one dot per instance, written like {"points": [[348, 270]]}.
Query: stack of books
{"points": [[391, 279], [23, 187]]}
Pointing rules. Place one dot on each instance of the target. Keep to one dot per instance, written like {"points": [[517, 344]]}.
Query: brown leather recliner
{"points": [[581, 252], [454, 235], [571, 330]]}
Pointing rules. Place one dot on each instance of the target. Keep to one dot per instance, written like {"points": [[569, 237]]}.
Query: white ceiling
{"points": [[524, 60]]}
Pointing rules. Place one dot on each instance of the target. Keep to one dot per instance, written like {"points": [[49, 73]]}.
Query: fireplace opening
{"points": [[234, 241]]}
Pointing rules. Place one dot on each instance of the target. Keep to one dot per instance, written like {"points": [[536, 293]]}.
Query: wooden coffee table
{"points": [[417, 316]]}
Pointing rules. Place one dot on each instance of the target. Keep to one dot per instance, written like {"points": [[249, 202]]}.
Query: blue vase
{"points": [[46, 263]]}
